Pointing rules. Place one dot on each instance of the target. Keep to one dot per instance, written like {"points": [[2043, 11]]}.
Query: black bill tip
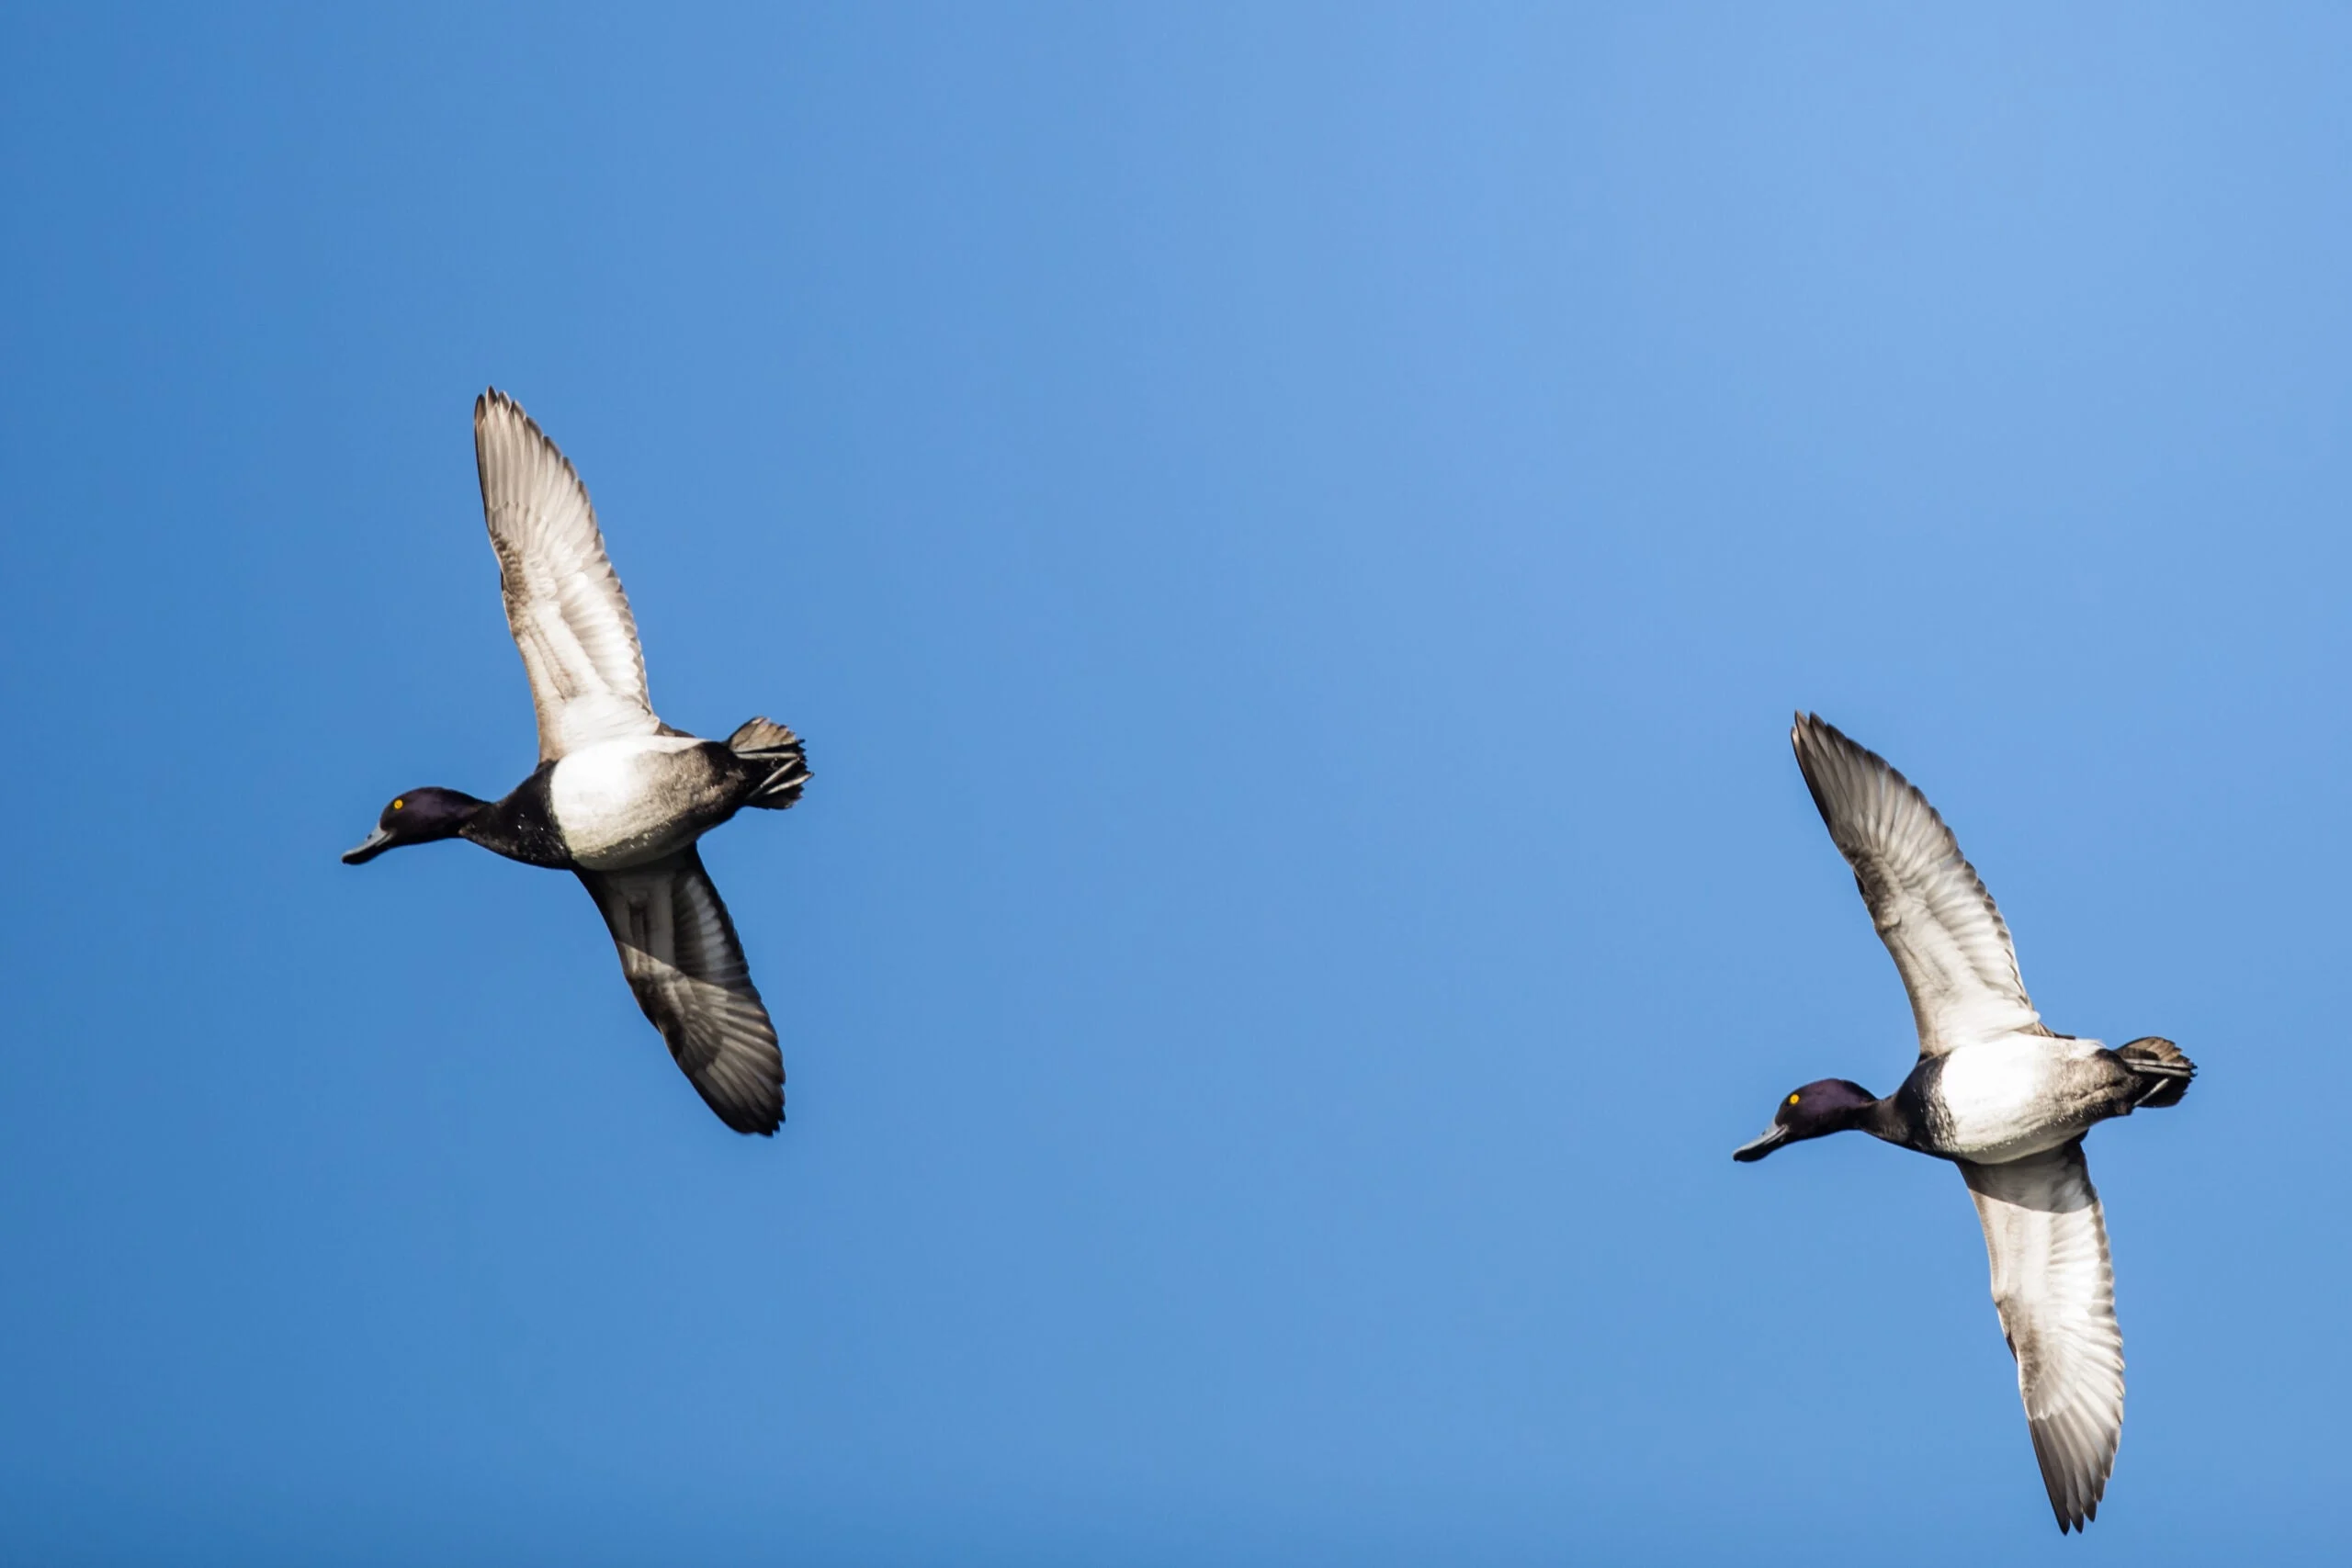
{"points": [[369, 848], [1774, 1136]]}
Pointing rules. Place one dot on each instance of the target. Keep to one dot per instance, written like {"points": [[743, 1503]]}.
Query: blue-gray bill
{"points": [[369, 848]]}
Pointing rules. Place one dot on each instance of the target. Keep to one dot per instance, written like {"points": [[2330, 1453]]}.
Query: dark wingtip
{"points": [[1810, 731], [753, 1125], [492, 398], [1812, 727]]}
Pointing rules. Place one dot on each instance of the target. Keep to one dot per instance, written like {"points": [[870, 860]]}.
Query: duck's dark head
{"points": [[1831, 1105], [417, 817]]}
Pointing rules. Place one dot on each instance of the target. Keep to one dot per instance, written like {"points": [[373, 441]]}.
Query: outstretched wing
{"points": [[2055, 1289], [679, 951], [1927, 901], [563, 604]]}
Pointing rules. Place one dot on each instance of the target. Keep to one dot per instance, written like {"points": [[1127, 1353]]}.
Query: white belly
{"points": [[2016, 1095], [626, 802]]}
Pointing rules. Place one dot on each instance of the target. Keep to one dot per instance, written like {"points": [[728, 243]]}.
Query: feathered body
{"points": [[619, 797], [2000, 1095]]}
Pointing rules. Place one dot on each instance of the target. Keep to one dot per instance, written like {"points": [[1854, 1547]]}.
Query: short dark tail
{"points": [[2163, 1073], [772, 747]]}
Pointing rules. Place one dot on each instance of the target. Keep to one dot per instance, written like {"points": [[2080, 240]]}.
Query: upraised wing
{"points": [[1929, 907], [680, 954], [2055, 1288], [564, 605]]}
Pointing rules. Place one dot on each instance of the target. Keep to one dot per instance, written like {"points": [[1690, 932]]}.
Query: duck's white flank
{"points": [[625, 802], [2016, 1095]]}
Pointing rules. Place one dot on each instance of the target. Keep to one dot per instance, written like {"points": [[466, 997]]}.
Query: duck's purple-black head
{"points": [[416, 817], [1830, 1105]]}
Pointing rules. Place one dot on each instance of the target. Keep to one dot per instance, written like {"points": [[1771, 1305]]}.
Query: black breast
{"points": [[522, 827], [1918, 1109]]}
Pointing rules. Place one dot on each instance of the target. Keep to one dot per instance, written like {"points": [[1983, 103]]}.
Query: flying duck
{"points": [[1999, 1094], [619, 797]]}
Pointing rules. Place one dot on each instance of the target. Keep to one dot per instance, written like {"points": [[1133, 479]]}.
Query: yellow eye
{"points": [[1793, 1099], [398, 804]]}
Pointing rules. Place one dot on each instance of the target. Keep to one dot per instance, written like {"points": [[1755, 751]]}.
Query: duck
{"points": [[1997, 1093], [619, 799]]}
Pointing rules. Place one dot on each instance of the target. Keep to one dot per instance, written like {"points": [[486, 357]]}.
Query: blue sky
{"points": [[1294, 536]]}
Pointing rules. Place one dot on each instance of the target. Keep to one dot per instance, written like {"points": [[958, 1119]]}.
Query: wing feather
{"points": [[683, 961], [564, 604], [2053, 1284], [1932, 909]]}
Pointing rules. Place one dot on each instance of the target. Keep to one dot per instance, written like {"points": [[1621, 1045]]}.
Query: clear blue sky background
{"points": [[1294, 536]]}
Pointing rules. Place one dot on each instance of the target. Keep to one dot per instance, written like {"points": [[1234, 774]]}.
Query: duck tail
{"points": [[2163, 1071], [769, 745]]}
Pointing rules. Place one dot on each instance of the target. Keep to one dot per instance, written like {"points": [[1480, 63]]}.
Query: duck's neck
{"points": [[522, 825], [1883, 1119], [1894, 1119]]}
